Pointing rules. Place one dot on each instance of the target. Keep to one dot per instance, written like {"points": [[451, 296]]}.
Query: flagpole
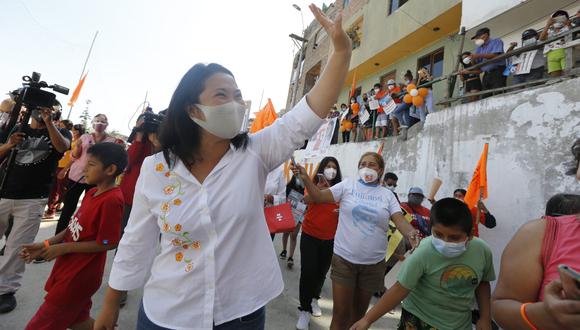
{"points": [[261, 98], [481, 188], [84, 68]]}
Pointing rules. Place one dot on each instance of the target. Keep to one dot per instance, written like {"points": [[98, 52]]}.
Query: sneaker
{"points": [[7, 303], [303, 320], [48, 215], [283, 255], [316, 311], [290, 262]]}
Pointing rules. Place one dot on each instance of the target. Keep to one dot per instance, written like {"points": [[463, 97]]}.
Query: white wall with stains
{"points": [[529, 133]]}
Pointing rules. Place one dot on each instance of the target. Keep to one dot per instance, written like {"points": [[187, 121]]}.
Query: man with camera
{"points": [[39, 146]]}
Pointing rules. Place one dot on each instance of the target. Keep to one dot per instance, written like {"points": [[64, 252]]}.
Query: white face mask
{"points": [[449, 250], [558, 25], [467, 60], [377, 90], [329, 173], [391, 87], [479, 42], [368, 175], [224, 121], [528, 42], [352, 101], [391, 188]]}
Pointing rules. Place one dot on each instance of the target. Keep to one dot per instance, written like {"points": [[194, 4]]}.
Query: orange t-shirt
{"points": [[321, 220], [397, 90], [355, 109]]}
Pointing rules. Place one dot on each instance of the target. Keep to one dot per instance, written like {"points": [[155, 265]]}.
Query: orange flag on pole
{"points": [[264, 117], [353, 87], [478, 187], [77, 91]]}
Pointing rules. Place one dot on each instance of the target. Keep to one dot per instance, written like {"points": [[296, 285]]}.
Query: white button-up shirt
{"points": [[216, 261]]}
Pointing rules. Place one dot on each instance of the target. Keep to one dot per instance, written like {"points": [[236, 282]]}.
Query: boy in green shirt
{"points": [[440, 281]]}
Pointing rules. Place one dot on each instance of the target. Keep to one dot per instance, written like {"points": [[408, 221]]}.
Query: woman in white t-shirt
{"points": [[360, 244], [197, 224]]}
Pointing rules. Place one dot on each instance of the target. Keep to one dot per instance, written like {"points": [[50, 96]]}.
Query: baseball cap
{"points": [[480, 32], [416, 190], [391, 82]]}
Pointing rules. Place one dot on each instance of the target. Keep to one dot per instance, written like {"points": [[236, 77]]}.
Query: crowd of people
{"points": [[549, 61], [185, 210]]}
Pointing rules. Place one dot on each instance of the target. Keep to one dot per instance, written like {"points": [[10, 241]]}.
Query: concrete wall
{"points": [[530, 134]]}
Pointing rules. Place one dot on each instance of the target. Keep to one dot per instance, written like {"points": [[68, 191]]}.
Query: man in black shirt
{"points": [[39, 147]]}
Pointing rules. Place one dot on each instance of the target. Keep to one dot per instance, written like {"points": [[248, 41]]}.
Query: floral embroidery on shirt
{"points": [[182, 239]]}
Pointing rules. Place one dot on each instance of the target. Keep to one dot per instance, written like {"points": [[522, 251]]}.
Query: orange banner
{"points": [[478, 187]]}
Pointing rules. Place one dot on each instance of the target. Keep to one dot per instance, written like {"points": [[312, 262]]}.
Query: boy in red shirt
{"points": [[81, 249]]}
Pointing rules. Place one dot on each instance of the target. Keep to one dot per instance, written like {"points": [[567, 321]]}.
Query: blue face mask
{"points": [[448, 249]]}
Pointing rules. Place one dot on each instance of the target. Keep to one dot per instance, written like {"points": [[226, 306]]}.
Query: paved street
{"points": [[281, 313]]}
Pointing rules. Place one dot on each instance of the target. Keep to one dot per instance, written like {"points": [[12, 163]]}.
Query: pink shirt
{"points": [[78, 166], [565, 250]]}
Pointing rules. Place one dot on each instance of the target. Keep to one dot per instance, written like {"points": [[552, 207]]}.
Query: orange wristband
{"points": [[46, 243], [526, 318]]}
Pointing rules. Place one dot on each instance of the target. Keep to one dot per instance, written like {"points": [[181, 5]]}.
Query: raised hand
{"points": [[340, 40]]}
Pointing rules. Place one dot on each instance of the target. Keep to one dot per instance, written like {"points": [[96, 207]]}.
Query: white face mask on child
{"points": [[329, 173], [448, 249]]}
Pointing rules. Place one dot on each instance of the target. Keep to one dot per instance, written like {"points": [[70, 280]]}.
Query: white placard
{"points": [[374, 104]]}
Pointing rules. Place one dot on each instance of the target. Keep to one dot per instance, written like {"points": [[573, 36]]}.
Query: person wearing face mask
{"points": [[39, 145], [76, 183], [418, 212], [382, 118], [529, 37], [485, 217], [487, 49], [360, 245], [317, 242], [470, 78], [402, 113], [395, 93], [555, 53], [197, 224], [439, 282]]}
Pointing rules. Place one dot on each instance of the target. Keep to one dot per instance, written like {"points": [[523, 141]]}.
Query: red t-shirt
{"points": [[474, 218], [77, 276], [137, 153], [397, 90], [321, 220], [421, 218]]}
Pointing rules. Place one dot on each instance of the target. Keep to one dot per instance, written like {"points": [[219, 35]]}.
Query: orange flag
{"points": [[478, 187], [264, 117], [353, 87], [77, 91]]}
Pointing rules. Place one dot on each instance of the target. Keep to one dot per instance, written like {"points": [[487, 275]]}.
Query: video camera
{"points": [[32, 97], [151, 123]]}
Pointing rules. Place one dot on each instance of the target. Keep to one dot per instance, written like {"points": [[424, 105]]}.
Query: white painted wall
{"points": [[530, 134]]}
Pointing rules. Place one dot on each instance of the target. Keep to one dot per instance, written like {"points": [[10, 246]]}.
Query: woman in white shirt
{"points": [[360, 245], [204, 194]]}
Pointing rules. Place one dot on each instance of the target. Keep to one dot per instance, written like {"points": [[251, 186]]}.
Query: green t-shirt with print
{"points": [[443, 289]]}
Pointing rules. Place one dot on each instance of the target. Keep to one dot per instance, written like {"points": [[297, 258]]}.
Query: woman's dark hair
{"points": [[377, 85], [409, 75], [465, 53], [180, 136], [80, 128], [450, 212], [343, 105], [563, 204], [101, 115], [323, 163]]}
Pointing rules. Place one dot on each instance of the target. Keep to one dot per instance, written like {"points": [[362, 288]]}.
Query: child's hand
{"points": [[483, 324], [53, 251], [362, 324], [31, 251]]}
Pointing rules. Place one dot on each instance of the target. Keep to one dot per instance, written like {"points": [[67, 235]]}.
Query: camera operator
{"points": [[39, 147], [144, 143]]}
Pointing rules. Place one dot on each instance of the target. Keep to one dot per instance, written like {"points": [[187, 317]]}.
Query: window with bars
{"points": [[433, 62]]}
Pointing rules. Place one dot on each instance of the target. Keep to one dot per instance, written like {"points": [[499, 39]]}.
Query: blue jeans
{"points": [[402, 113], [252, 321]]}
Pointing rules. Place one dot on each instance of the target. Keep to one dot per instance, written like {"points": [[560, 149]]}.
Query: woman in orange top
{"points": [[317, 243], [354, 110]]}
